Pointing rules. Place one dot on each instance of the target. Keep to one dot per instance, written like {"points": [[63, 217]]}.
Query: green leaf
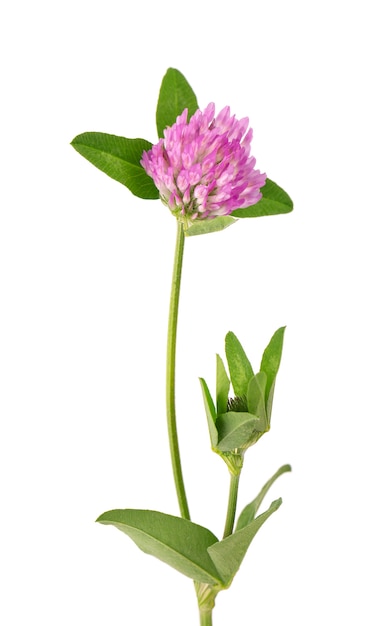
{"points": [[175, 95], [270, 364], [118, 157], [236, 429], [229, 553], [250, 511], [256, 395], [240, 368], [202, 227], [274, 201], [222, 386], [175, 541], [210, 412]]}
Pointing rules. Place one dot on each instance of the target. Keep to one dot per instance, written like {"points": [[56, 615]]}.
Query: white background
{"points": [[85, 277]]}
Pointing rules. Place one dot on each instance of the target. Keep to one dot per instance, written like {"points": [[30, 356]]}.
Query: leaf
{"points": [[203, 227], [210, 412], [175, 541], [256, 395], [222, 386], [236, 429], [274, 201], [240, 368], [250, 511], [118, 157], [175, 95], [270, 364], [229, 553]]}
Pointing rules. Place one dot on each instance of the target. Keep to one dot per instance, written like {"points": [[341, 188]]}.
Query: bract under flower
{"points": [[203, 168]]}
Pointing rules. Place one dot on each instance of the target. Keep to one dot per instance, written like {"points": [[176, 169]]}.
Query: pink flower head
{"points": [[203, 168]]}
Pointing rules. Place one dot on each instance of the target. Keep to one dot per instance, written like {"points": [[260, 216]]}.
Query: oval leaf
{"points": [[256, 395], [175, 95], [270, 364], [119, 158], [203, 227], [235, 429], [222, 386], [274, 201], [210, 412], [175, 541], [240, 367], [229, 553]]}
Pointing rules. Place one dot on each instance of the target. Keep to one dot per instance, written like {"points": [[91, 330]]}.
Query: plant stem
{"points": [[206, 618], [206, 595], [171, 373], [231, 508]]}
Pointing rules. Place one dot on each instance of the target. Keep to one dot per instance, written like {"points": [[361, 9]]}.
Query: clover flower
{"points": [[203, 168]]}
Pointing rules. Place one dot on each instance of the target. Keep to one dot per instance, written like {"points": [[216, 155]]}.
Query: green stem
{"points": [[171, 373], [206, 618], [231, 508], [206, 595]]}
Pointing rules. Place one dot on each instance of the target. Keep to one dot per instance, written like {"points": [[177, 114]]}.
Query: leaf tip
{"points": [[276, 504], [104, 518]]}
